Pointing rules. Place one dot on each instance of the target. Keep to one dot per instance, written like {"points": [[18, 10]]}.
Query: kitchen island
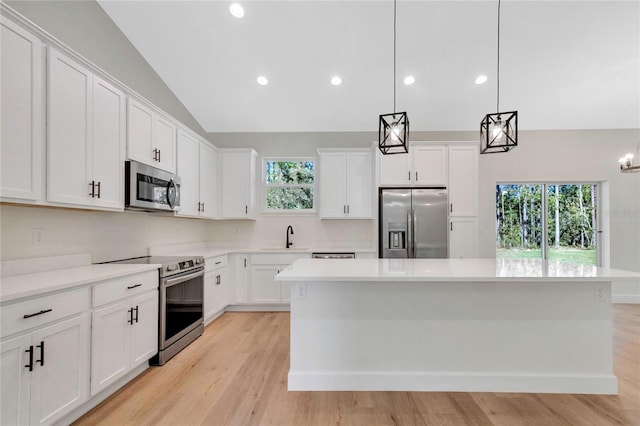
{"points": [[495, 325]]}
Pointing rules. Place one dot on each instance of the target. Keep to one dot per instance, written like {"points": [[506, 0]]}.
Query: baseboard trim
{"points": [[258, 308], [416, 381], [625, 298]]}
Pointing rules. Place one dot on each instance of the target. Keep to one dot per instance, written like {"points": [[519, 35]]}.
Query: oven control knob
{"points": [[172, 267], [199, 261]]}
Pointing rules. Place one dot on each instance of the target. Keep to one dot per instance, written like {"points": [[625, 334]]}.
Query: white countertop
{"points": [[28, 285], [217, 251], [487, 270]]}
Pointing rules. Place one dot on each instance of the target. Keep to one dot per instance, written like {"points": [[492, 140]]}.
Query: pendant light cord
{"points": [[498, 76], [394, 56]]}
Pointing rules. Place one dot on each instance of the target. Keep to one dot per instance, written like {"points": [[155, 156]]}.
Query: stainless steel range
{"points": [[181, 302]]}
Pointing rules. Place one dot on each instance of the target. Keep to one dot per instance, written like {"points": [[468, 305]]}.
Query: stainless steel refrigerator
{"points": [[413, 223]]}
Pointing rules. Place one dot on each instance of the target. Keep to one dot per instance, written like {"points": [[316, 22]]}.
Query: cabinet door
{"points": [[61, 383], [140, 133], [109, 345], [21, 100], [222, 289], [187, 166], [463, 238], [395, 169], [359, 186], [235, 184], [264, 288], [164, 140], [144, 331], [430, 165], [285, 291], [241, 280], [463, 181], [14, 381], [333, 178], [69, 128], [208, 181], [210, 293], [108, 144]]}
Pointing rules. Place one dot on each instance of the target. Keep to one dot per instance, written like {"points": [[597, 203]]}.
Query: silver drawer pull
{"points": [[217, 263], [134, 286], [44, 311]]}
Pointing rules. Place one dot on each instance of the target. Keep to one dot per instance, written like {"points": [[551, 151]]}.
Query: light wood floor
{"points": [[236, 374]]}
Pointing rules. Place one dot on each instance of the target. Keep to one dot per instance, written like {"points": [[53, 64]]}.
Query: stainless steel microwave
{"points": [[150, 189]]}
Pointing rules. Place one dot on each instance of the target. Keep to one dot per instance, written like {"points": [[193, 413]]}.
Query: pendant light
{"points": [[498, 131], [627, 165], [393, 129]]}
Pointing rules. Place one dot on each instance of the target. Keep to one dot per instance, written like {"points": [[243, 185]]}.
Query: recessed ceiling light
{"points": [[409, 80], [481, 79], [336, 81], [262, 80], [236, 10]]}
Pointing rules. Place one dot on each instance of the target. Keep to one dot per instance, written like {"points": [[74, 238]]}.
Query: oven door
{"points": [[181, 305]]}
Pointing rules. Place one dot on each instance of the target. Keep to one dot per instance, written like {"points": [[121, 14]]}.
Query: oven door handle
{"points": [[178, 280]]}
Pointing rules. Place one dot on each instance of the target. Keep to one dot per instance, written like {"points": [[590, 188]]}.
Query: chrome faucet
{"points": [[289, 242]]}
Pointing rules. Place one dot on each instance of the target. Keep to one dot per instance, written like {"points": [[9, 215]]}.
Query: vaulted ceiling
{"points": [[564, 64]]}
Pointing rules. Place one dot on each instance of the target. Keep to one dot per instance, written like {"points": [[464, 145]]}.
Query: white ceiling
{"points": [[564, 64]]}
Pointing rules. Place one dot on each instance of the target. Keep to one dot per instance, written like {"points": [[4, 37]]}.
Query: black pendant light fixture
{"points": [[393, 130], [498, 131]]}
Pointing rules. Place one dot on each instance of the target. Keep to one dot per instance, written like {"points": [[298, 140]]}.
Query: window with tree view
{"points": [[566, 230], [289, 184]]}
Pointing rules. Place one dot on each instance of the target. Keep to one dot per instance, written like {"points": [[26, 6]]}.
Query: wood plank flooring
{"points": [[236, 374]]}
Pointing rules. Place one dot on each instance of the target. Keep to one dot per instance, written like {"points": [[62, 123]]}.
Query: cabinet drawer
{"points": [[120, 288], [43, 310], [217, 262]]}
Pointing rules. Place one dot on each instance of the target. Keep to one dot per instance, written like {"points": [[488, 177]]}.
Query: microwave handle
{"points": [[171, 193]]}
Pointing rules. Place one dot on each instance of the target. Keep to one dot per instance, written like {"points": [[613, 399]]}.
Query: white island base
{"points": [[426, 329]]}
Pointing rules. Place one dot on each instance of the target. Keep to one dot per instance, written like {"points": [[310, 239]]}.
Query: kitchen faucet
{"points": [[289, 242]]}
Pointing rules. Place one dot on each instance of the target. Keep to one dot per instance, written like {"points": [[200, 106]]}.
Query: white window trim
{"points": [[314, 186]]}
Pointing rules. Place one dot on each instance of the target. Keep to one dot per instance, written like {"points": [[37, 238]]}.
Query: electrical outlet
{"points": [[599, 292], [38, 236], [301, 291]]}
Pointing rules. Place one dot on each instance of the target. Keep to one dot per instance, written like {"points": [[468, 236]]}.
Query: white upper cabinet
{"points": [[85, 136], [345, 184], [151, 137], [197, 168], [430, 165], [424, 165], [208, 182], [21, 103], [238, 175], [463, 180], [187, 170], [108, 143]]}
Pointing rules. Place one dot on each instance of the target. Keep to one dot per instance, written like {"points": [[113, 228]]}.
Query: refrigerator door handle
{"points": [[414, 231], [409, 236]]}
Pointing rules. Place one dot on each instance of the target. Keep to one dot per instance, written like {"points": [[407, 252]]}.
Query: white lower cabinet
{"points": [[125, 329], [45, 373], [264, 289], [463, 237], [240, 280], [216, 286]]}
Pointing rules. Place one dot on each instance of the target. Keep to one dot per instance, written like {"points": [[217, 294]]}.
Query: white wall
{"points": [[107, 236], [573, 156]]}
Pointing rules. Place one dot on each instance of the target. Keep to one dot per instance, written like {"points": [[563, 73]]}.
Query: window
{"points": [[289, 185], [564, 230]]}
